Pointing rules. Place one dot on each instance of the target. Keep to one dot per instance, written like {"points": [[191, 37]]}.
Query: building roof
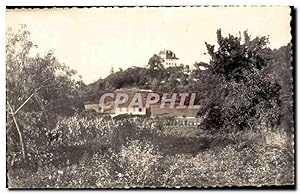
{"points": [[169, 54], [131, 92]]}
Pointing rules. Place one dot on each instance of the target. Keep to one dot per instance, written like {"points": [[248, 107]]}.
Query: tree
{"points": [[38, 90], [112, 71], [156, 68], [281, 70], [236, 88], [131, 77], [155, 84]]}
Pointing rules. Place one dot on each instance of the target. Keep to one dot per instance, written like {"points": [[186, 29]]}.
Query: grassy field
{"points": [[92, 153]]}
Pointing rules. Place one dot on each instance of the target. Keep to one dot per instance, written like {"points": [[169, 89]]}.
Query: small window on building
{"points": [[140, 109]]}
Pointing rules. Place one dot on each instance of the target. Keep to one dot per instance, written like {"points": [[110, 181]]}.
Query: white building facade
{"points": [[168, 58]]}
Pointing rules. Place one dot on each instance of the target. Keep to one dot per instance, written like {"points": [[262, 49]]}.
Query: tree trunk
{"points": [[20, 137], [19, 131]]}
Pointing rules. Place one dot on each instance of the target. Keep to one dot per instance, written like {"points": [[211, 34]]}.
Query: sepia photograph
{"points": [[149, 97]]}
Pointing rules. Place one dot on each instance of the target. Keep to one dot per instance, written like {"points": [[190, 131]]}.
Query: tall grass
{"points": [[140, 152]]}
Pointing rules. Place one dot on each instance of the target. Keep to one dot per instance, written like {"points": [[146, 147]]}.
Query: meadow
{"points": [[139, 152]]}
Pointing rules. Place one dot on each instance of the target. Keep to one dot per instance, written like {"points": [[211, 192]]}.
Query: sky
{"points": [[93, 40]]}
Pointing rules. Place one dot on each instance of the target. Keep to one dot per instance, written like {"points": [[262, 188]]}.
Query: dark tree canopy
{"points": [[237, 90]]}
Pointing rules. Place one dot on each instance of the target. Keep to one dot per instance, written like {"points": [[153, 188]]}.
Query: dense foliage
{"points": [[143, 153], [239, 89], [245, 93], [38, 89]]}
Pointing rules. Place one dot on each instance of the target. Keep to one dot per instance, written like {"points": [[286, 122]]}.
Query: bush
{"points": [[243, 163], [135, 152], [136, 165]]}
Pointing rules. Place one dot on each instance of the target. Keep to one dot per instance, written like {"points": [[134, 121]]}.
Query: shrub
{"points": [[137, 165], [135, 152], [243, 163]]}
